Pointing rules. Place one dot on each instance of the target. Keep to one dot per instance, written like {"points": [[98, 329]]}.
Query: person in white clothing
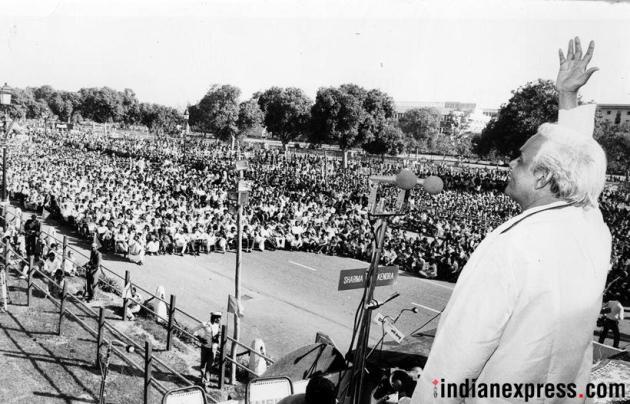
{"points": [[614, 314], [209, 334], [525, 306], [69, 267], [257, 363]]}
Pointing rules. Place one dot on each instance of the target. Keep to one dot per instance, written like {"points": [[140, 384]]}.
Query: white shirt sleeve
{"points": [[580, 119]]}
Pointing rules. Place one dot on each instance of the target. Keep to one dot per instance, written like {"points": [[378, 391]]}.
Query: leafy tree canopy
{"points": [[286, 111], [218, 112], [530, 106]]}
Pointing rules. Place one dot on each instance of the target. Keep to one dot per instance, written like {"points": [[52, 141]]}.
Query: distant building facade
{"points": [[617, 114], [473, 119]]}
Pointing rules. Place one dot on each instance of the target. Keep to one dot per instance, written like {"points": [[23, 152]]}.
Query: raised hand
{"points": [[573, 72]]}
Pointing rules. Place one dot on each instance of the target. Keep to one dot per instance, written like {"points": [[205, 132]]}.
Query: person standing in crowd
{"points": [[92, 271], [525, 306], [158, 305], [32, 228], [209, 334], [614, 314]]}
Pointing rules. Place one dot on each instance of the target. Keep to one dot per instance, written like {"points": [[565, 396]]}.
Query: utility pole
{"points": [[6, 93], [242, 199]]}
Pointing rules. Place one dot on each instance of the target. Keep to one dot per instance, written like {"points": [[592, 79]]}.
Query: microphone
{"points": [[414, 310], [375, 304], [406, 180]]}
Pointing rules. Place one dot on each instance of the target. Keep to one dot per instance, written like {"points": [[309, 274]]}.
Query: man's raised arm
{"points": [[572, 75]]}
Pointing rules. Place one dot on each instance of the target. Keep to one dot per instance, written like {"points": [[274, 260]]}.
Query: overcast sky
{"points": [[170, 52]]}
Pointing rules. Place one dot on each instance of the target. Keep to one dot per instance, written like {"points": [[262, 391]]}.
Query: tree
{"points": [[355, 90], [454, 122], [286, 112], [159, 118], [217, 112], [615, 140], [379, 110], [102, 104], [45, 93], [463, 145], [421, 125], [64, 104], [390, 140], [530, 106], [336, 116], [131, 107], [250, 117], [22, 101]]}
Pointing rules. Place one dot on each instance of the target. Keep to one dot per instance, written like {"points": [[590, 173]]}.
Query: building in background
{"points": [[617, 114], [478, 120], [469, 118], [443, 107]]}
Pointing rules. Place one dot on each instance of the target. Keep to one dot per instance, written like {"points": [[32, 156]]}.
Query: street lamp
{"points": [[45, 116], [185, 133], [186, 116], [5, 99], [5, 94]]}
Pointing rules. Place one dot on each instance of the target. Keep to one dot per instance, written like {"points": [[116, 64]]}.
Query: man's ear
{"points": [[543, 178]]}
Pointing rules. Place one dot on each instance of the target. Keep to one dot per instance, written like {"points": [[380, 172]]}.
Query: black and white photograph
{"points": [[315, 201]]}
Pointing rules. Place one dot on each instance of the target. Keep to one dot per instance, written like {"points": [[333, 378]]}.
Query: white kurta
{"points": [[525, 306]]}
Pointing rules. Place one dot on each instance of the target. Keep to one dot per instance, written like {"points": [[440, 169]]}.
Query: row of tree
{"points": [[347, 116], [96, 104]]}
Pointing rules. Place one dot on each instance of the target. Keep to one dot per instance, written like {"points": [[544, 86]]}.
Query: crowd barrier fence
{"points": [[99, 332], [170, 323]]}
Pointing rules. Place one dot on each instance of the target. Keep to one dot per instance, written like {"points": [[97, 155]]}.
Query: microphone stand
{"points": [[359, 360], [405, 180]]}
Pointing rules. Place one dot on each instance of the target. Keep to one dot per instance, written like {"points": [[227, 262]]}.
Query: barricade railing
{"points": [[171, 325], [225, 358], [102, 325]]}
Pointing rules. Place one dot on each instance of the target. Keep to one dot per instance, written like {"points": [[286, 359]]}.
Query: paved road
{"points": [[287, 296]]}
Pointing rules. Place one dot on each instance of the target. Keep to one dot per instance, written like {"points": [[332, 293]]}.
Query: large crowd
{"points": [[150, 196]]}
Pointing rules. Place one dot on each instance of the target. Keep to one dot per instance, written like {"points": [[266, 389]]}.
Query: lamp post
{"points": [[5, 99], [185, 133], [45, 116], [186, 127], [242, 199]]}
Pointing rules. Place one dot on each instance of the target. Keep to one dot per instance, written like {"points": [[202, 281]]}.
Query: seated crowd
{"points": [[137, 201]]}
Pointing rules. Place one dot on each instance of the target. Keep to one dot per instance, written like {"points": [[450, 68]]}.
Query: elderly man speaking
{"points": [[523, 311]]}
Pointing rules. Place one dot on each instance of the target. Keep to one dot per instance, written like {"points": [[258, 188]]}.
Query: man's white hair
{"points": [[574, 165]]}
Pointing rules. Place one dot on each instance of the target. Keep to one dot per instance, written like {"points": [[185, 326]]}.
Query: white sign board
{"points": [[389, 328]]}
